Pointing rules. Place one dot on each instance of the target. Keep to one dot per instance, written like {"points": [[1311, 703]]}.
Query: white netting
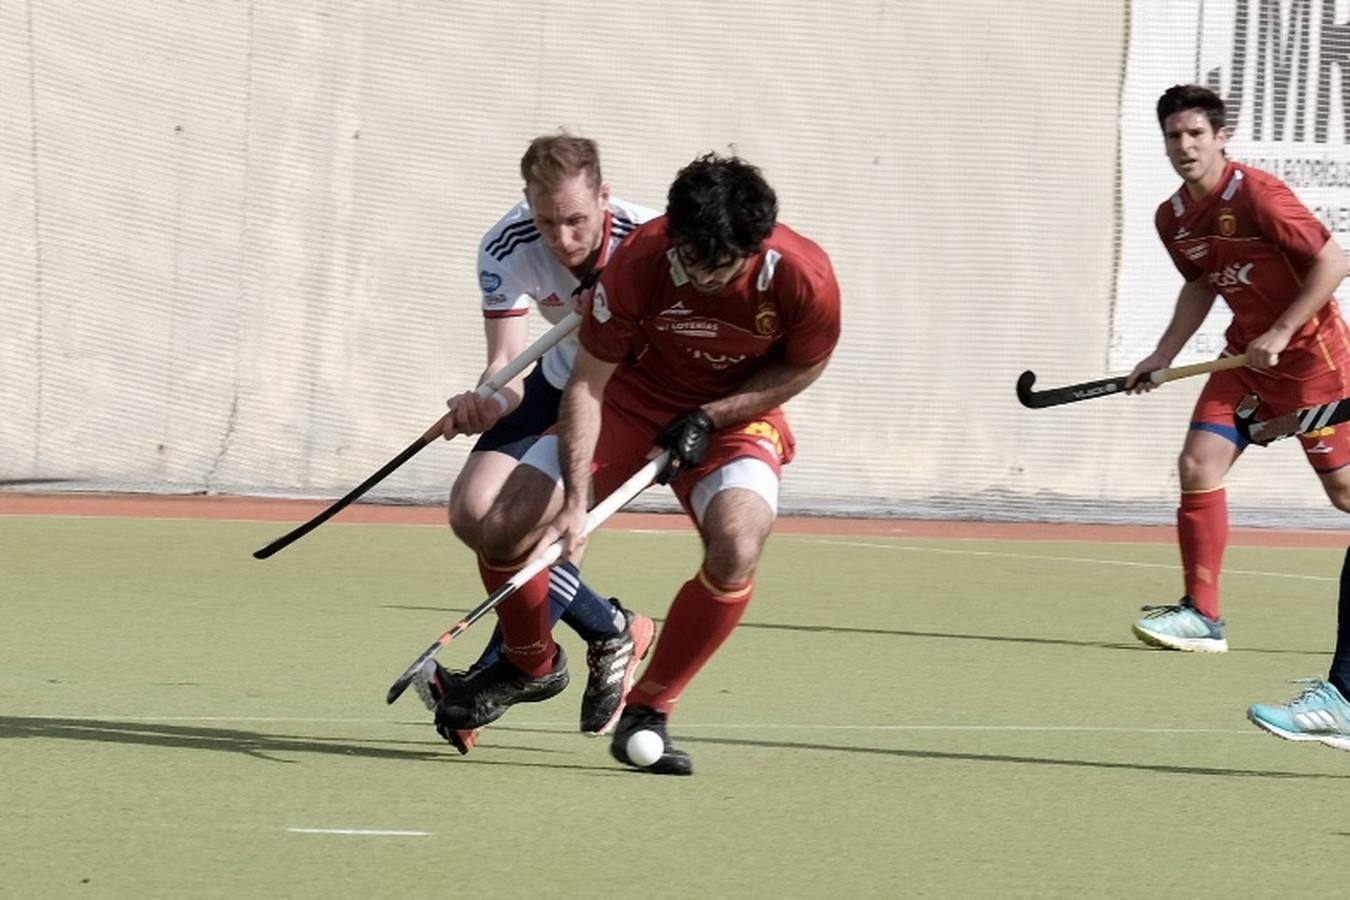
{"points": [[237, 245]]}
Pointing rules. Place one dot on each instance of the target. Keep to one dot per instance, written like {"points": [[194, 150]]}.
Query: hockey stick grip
{"points": [[1159, 376]]}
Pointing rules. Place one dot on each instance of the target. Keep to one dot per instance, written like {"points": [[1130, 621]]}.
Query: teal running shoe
{"points": [[1319, 714], [1181, 627]]}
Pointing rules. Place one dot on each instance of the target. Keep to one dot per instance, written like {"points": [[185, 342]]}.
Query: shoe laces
{"points": [[1155, 612], [597, 652], [1311, 691]]}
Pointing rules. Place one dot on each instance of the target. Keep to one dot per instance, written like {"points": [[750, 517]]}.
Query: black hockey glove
{"points": [[687, 439]]}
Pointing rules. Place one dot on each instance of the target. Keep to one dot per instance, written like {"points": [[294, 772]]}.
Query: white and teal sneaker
{"points": [[1319, 714], [1181, 627]]}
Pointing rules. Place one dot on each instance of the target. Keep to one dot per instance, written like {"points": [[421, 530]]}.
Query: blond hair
{"points": [[553, 158]]}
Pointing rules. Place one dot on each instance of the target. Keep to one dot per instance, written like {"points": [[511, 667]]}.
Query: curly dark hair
{"points": [[720, 208], [1181, 97]]}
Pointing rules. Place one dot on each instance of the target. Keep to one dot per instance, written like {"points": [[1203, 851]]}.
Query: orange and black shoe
{"points": [[612, 665]]}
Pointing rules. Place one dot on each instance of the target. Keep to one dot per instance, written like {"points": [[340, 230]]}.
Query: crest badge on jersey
{"points": [[489, 281], [766, 319], [1227, 222], [600, 305]]}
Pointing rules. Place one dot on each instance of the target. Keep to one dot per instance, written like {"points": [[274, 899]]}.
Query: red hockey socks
{"points": [[702, 617], [527, 628], [1202, 530]]}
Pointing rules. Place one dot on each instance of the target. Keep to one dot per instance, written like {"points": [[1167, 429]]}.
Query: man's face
{"points": [[713, 279], [570, 218], [1194, 149]]}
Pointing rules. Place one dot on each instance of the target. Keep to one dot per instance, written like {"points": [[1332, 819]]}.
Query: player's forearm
{"points": [[505, 338], [1193, 305], [1326, 274], [578, 431], [772, 386]]}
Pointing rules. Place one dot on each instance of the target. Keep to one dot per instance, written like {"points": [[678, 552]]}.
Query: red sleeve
{"points": [[1287, 223], [614, 326], [1188, 270], [813, 328]]}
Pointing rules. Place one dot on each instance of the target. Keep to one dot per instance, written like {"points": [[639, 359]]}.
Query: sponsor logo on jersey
{"points": [[600, 305], [552, 300], [1321, 447], [1182, 233], [1233, 275], [1227, 222], [718, 361], [496, 300], [700, 328], [489, 281], [679, 309], [697, 327]]}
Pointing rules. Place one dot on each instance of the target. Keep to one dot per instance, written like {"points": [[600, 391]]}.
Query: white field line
{"points": [[821, 540], [570, 727], [1046, 558], [363, 832]]}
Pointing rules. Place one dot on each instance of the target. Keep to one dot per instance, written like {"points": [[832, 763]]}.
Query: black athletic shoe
{"points": [[432, 682], [612, 662], [673, 761], [484, 695]]}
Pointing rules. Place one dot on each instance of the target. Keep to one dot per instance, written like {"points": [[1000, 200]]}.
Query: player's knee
{"points": [[1339, 492], [499, 533], [732, 558], [466, 525], [467, 513], [1197, 471]]}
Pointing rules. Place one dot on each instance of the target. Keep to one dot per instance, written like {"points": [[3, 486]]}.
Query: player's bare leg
{"points": [[1202, 533]]}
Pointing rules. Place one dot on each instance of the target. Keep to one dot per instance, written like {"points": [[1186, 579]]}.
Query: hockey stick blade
{"points": [[1033, 399]]}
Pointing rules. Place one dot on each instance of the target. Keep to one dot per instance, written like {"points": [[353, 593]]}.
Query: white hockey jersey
{"points": [[515, 266]]}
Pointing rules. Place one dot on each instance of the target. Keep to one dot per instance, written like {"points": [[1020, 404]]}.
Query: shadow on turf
{"points": [[1167, 769], [250, 743], [1126, 644]]}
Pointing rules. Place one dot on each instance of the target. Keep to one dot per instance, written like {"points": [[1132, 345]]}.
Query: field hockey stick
{"points": [[639, 482], [1300, 421], [1033, 399], [491, 387]]}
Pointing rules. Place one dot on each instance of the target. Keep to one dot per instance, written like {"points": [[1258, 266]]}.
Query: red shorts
{"points": [[628, 438], [1327, 449]]}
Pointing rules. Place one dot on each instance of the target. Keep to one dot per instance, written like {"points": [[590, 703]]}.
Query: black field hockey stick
{"points": [[1300, 421], [1087, 390], [488, 388], [639, 482]]}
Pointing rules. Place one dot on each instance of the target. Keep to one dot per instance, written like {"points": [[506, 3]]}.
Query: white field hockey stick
{"points": [[491, 387], [635, 485], [1087, 390]]}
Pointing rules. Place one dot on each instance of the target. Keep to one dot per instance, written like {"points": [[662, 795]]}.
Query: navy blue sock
{"points": [[493, 651], [586, 612], [1340, 663]]}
